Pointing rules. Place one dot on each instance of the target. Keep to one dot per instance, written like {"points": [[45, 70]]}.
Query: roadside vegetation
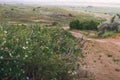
{"points": [[33, 45], [84, 25], [37, 53], [97, 28], [110, 34]]}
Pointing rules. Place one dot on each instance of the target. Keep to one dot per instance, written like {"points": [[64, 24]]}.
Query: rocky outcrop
{"points": [[112, 25]]}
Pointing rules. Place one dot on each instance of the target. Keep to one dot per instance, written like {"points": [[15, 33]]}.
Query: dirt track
{"points": [[102, 57]]}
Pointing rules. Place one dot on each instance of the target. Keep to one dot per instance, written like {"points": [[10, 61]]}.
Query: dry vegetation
{"points": [[30, 39]]}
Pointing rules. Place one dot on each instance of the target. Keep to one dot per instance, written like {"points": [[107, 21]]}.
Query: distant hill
{"points": [[57, 2]]}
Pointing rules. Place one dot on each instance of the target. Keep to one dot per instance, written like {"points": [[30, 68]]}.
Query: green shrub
{"points": [[84, 25], [75, 24], [12, 9], [116, 60], [37, 53], [108, 34], [109, 55], [117, 69]]}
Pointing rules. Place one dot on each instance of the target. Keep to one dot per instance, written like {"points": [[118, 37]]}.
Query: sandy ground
{"points": [[102, 57]]}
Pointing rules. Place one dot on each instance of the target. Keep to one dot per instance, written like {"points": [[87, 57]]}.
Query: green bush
{"points": [[75, 24], [108, 34], [37, 53], [84, 25]]}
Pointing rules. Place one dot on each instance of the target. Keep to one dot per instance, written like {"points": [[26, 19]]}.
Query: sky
{"points": [[36, 1], [67, 2]]}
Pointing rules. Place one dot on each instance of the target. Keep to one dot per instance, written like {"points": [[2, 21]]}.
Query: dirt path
{"points": [[102, 57]]}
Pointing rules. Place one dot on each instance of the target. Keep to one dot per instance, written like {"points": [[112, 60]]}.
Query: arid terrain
{"points": [[102, 57], [43, 40]]}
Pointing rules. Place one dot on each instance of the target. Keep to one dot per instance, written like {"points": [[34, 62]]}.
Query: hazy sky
{"points": [[109, 3], [36, 1]]}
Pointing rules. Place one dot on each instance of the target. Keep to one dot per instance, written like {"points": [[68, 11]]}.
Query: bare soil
{"points": [[102, 57]]}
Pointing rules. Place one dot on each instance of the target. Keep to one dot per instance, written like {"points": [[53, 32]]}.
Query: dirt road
{"points": [[102, 57]]}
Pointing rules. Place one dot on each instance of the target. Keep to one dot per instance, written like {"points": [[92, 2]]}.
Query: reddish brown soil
{"points": [[102, 57]]}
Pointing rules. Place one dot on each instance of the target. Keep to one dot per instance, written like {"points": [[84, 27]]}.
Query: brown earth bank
{"points": [[101, 57]]}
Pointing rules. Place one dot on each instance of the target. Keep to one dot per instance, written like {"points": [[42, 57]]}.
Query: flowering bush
{"points": [[37, 53]]}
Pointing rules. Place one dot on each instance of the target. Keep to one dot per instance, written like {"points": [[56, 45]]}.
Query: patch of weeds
{"points": [[86, 75], [109, 55], [116, 60], [108, 34], [82, 56], [89, 75], [117, 69]]}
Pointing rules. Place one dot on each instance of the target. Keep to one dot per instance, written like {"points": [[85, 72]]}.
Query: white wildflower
{"points": [[24, 47], [26, 55], [5, 32], [10, 55], [26, 42], [1, 57]]}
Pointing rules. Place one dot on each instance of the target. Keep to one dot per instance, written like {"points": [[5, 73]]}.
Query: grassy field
{"points": [[47, 16]]}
